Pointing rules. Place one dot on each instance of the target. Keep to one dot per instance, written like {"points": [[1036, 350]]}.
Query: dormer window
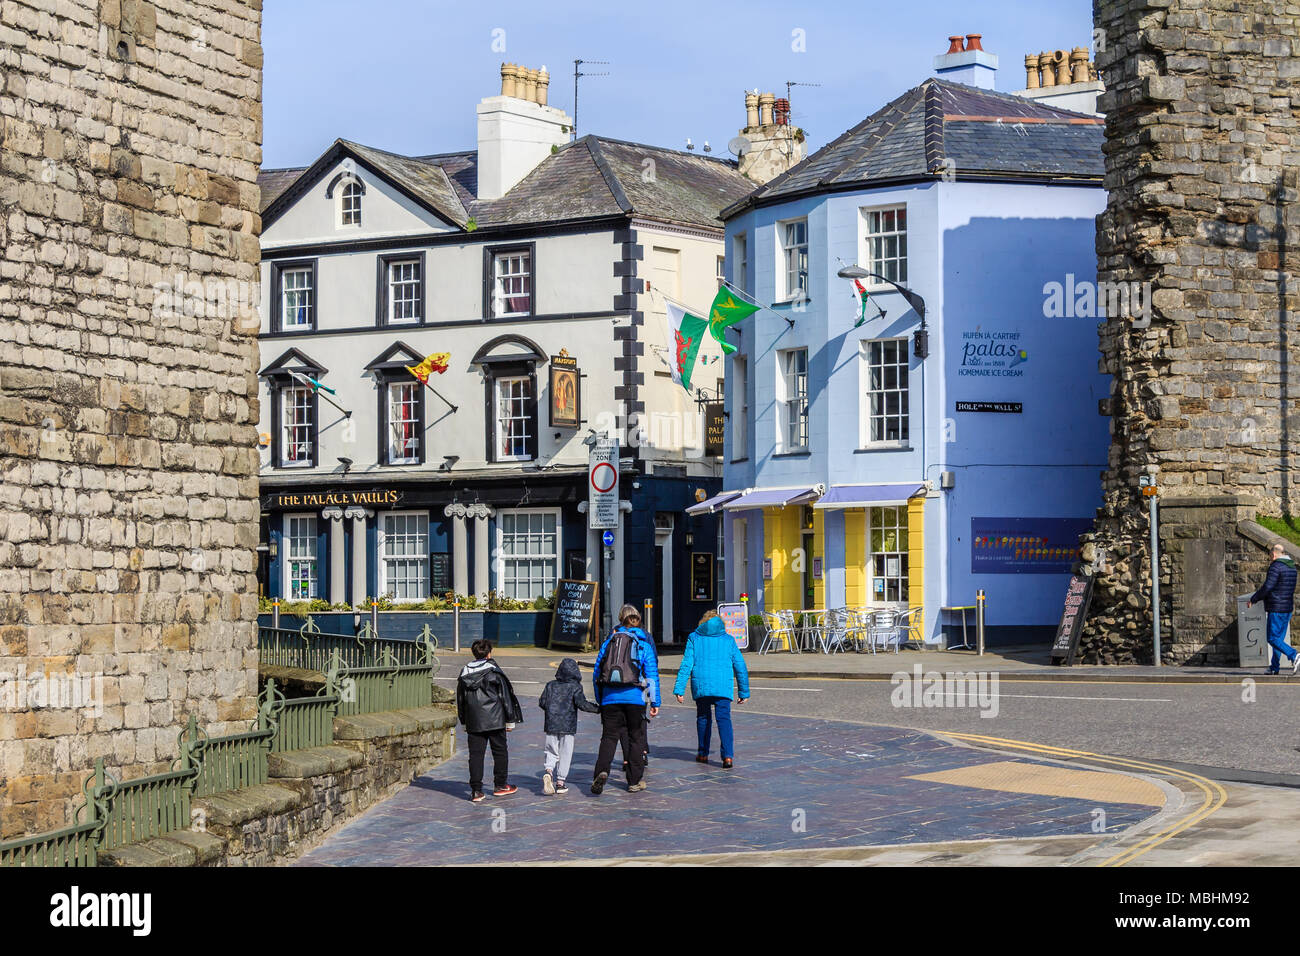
{"points": [[350, 210], [346, 190]]}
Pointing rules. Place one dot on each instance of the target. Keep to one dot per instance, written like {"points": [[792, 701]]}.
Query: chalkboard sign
{"points": [[573, 622], [439, 573], [1077, 597]]}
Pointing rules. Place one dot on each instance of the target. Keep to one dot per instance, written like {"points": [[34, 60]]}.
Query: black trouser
{"points": [[622, 723], [478, 744]]}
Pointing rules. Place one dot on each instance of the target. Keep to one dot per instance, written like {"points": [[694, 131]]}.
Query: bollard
{"points": [[650, 617], [374, 618], [455, 623], [275, 614], [979, 622]]}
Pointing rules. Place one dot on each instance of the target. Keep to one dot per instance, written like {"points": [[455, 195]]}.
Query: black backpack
{"points": [[620, 664]]}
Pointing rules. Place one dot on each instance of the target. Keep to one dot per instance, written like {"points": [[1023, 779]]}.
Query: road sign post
{"points": [[1152, 494], [602, 485]]}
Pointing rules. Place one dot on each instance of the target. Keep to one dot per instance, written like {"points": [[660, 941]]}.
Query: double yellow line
{"points": [[1214, 795]]}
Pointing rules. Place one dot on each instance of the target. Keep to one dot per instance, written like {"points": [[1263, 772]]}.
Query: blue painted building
{"points": [[900, 462]]}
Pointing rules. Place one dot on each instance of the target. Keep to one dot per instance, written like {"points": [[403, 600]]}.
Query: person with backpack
{"points": [[1278, 595], [561, 700], [622, 664], [486, 704], [630, 619], [715, 667]]}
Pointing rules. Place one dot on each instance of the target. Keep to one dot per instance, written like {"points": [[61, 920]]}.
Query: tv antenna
{"points": [[577, 73], [789, 84]]}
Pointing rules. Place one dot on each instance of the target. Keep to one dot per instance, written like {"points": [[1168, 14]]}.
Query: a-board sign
{"points": [[439, 573], [736, 617], [573, 622], [1077, 597]]}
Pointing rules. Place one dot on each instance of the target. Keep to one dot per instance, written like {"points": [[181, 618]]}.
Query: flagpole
{"points": [[304, 380]]}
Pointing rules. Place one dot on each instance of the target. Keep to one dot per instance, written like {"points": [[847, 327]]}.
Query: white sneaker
{"points": [[548, 783], [1295, 665]]}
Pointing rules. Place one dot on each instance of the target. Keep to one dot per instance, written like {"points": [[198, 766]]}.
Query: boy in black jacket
{"points": [[561, 700], [487, 706]]}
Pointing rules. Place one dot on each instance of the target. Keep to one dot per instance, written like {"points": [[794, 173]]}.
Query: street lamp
{"points": [[921, 348]]}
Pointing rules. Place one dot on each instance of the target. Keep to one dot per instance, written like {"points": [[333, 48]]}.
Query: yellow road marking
{"points": [[1016, 776], [1215, 795]]}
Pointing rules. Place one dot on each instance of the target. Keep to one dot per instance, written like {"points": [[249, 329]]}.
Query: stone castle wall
{"points": [[1202, 133], [129, 149]]}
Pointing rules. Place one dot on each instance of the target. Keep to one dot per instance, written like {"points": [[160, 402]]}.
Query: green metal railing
{"points": [[71, 846], [310, 649], [387, 686], [305, 722], [144, 808]]}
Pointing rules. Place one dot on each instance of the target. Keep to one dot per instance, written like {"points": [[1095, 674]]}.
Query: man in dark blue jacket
{"points": [[1278, 595]]}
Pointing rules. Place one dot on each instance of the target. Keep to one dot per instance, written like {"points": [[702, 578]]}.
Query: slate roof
{"points": [[985, 134], [590, 178]]}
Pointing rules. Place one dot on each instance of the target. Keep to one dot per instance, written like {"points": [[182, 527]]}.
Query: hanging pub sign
{"points": [[714, 428], [322, 499], [701, 576], [566, 407]]}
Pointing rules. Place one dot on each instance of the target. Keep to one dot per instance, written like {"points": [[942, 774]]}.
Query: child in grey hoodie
{"points": [[561, 700]]}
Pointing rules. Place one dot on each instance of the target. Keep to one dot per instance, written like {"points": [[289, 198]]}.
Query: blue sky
{"points": [[405, 75]]}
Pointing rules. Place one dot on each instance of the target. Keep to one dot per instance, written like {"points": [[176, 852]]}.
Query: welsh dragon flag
{"points": [[727, 309], [686, 332]]}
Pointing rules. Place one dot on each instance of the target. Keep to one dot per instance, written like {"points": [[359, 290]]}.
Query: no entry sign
{"points": [[602, 485]]}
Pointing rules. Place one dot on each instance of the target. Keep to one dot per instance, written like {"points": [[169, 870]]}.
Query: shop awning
{"points": [[866, 496], [713, 504], [775, 497]]}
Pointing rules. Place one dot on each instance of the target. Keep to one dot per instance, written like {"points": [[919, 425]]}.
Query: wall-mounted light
{"points": [[346, 463], [448, 461], [274, 549], [690, 539]]}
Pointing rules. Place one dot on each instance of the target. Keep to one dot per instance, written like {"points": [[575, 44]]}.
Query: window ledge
{"points": [[740, 461], [790, 303], [873, 449], [801, 453]]}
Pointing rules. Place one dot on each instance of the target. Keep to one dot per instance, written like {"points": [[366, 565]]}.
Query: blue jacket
{"points": [[629, 693], [711, 661], [1278, 592]]}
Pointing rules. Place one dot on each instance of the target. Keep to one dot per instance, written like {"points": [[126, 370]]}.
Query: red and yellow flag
{"points": [[437, 362]]}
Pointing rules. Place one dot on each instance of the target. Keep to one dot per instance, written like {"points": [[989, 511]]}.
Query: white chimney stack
{"points": [[516, 130]]}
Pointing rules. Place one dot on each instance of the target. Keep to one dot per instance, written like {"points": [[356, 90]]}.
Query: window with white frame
{"points": [[887, 554], [885, 409], [722, 271], [404, 423], [300, 578], [404, 555], [792, 371], [529, 545], [350, 204], [514, 418], [297, 428], [740, 407], [512, 283], [296, 298], [794, 258], [404, 294], [740, 270], [886, 237]]}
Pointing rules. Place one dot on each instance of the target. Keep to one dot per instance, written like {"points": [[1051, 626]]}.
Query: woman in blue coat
{"points": [[715, 667]]}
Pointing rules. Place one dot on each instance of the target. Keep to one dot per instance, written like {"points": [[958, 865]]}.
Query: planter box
{"points": [[502, 628]]}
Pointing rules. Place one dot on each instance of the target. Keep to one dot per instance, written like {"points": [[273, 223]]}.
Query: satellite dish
{"points": [[739, 146]]}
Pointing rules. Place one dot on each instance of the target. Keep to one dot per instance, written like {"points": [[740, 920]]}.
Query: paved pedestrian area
{"points": [[799, 786]]}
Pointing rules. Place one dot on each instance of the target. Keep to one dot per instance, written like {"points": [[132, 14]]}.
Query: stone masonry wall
{"points": [[130, 139], [1201, 166]]}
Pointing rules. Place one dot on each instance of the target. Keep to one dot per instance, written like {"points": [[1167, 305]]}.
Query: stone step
{"points": [[182, 848], [392, 722], [239, 806], [312, 762]]}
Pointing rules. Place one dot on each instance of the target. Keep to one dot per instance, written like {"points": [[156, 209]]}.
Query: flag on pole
{"points": [[727, 310], [864, 296], [686, 332], [437, 362]]}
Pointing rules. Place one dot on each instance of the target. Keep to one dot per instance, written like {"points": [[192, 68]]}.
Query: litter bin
{"points": [[1252, 634]]}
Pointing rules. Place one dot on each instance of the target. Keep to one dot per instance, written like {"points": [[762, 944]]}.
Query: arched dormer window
{"points": [[509, 364], [346, 190]]}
